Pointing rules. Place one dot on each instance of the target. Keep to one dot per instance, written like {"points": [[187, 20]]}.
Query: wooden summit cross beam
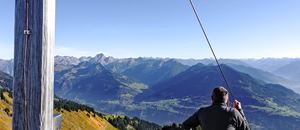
{"points": [[33, 65]]}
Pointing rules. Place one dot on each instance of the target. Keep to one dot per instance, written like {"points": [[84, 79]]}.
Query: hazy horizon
{"points": [[247, 58]]}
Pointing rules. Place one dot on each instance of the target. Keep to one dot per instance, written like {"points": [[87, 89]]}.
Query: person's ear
{"points": [[227, 98]]}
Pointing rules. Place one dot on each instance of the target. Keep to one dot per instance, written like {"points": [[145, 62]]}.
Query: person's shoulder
{"points": [[235, 112], [232, 110]]}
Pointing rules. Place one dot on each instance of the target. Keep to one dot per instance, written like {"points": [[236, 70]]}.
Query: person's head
{"points": [[219, 95]]}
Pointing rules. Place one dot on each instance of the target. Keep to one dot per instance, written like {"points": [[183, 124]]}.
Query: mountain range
{"points": [[92, 82], [290, 71], [166, 90], [272, 70], [192, 88]]}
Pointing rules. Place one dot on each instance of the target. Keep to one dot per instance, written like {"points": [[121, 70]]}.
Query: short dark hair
{"points": [[219, 95]]}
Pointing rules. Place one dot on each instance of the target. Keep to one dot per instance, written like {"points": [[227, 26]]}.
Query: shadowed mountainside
{"points": [[190, 89]]}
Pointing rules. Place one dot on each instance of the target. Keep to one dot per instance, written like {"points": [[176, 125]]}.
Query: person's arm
{"points": [[237, 105], [191, 122], [242, 123]]}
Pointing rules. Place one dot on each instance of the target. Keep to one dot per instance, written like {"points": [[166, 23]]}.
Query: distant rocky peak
{"points": [[172, 61], [66, 60], [101, 58], [196, 66], [85, 58], [7, 66]]}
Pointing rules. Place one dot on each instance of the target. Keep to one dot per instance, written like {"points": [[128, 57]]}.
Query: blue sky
{"points": [[168, 28]]}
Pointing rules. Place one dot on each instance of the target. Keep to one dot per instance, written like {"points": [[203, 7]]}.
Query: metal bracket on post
{"points": [[27, 32]]}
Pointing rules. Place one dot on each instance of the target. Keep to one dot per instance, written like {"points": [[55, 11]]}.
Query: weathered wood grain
{"points": [[34, 66]]}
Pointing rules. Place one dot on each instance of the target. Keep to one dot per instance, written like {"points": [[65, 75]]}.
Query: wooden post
{"points": [[33, 65]]}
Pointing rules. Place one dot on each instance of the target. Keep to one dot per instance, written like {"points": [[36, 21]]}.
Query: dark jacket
{"points": [[217, 117]]}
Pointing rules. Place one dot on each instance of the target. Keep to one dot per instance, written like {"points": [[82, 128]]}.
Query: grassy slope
{"points": [[70, 120], [83, 120], [5, 118]]}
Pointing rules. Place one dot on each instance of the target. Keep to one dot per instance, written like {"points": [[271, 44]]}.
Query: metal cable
{"points": [[26, 33], [211, 48]]}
